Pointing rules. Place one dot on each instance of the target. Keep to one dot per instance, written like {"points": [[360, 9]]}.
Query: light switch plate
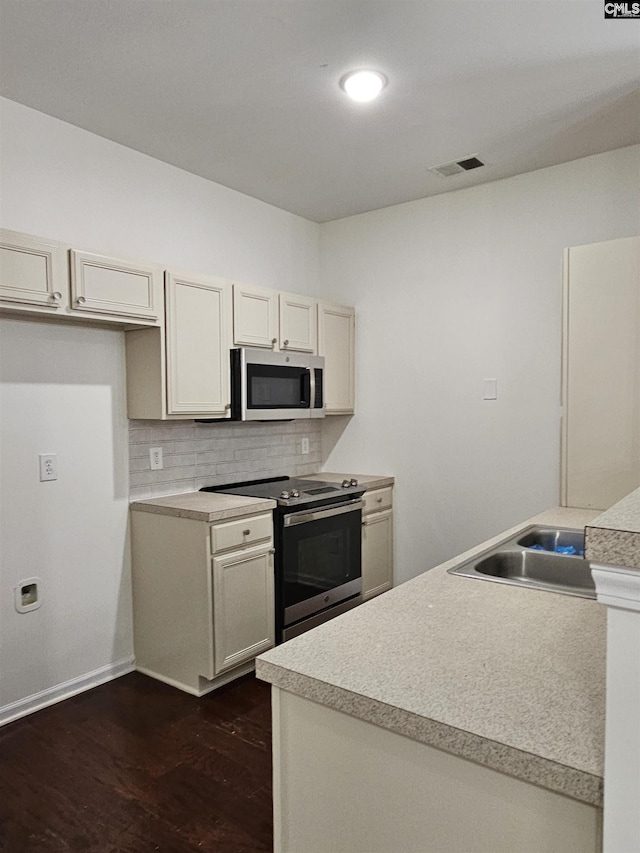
{"points": [[490, 389]]}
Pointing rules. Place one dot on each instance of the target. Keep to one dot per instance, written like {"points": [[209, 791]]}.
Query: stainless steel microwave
{"points": [[275, 386]]}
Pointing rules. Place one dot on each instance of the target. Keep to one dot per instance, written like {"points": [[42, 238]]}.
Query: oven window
{"points": [[320, 555], [275, 387]]}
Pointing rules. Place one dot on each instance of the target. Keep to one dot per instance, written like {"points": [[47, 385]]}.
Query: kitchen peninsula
{"points": [[447, 714]]}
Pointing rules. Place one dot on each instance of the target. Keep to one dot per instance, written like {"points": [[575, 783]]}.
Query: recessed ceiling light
{"points": [[363, 85]]}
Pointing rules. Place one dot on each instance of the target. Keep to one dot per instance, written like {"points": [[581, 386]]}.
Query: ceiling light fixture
{"points": [[363, 85]]}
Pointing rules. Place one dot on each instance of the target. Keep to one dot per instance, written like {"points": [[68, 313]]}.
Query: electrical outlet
{"points": [[48, 466], [155, 458], [305, 444]]}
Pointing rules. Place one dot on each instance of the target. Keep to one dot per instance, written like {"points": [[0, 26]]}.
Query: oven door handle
{"points": [[324, 512]]}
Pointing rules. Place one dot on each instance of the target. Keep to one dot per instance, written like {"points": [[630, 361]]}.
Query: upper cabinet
{"points": [[336, 342], [298, 323], [113, 286], [183, 370], [274, 320], [255, 317], [33, 273], [44, 277], [180, 327], [601, 377]]}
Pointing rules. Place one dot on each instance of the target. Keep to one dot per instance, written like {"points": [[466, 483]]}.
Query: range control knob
{"points": [[285, 495], [295, 493], [346, 484], [353, 482]]}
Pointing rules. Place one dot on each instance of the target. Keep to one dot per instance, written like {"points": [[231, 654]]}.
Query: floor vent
{"points": [[456, 167]]}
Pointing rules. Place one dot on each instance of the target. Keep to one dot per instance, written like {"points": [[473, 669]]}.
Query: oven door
{"points": [[320, 559]]}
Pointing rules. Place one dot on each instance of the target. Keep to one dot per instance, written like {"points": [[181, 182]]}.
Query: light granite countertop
{"points": [[370, 481], [613, 538], [204, 506], [216, 506], [511, 678]]}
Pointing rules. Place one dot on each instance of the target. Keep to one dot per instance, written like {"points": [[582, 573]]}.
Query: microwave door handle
{"points": [[312, 388], [305, 387]]}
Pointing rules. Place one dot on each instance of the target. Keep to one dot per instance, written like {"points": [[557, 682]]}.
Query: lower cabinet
{"points": [[203, 597], [377, 542], [243, 614]]}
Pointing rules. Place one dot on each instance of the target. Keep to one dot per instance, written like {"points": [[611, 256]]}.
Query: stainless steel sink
{"points": [[513, 561], [551, 538]]}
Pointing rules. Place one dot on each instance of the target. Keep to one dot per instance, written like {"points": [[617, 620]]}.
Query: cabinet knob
{"points": [[81, 300], [274, 341], [56, 296], [378, 500], [246, 532], [227, 407], [285, 343]]}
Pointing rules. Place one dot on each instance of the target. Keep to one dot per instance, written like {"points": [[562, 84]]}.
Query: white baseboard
{"points": [[33, 703]]}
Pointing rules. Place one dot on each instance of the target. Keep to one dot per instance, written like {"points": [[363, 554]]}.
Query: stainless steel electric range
{"points": [[317, 532]]}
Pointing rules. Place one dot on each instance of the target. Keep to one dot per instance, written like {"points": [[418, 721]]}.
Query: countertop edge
{"points": [[255, 506], [543, 772]]}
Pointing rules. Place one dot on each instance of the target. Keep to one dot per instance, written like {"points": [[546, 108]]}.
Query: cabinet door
{"points": [[601, 424], [377, 553], [255, 317], [336, 342], [243, 609], [33, 272], [113, 286], [298, 323], [198, 324]]}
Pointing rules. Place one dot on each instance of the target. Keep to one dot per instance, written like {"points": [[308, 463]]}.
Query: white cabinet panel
{"points": [[377, 500], [298, 322], [255, 317], [601, 426], [241, 532], [243, 606], [115, 286], [198, 319], [377, 553], [33, 272], [199, 617], [336, 342]]}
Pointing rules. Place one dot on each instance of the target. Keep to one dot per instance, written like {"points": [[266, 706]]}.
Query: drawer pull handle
{"points": [[246, 532], [379, 500]]}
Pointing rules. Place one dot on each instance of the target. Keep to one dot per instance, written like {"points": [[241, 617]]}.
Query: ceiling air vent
{"points": [[447, 170]]}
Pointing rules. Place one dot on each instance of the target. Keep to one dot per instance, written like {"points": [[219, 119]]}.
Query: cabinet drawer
{"points": [[241, 532], [377, 500]]}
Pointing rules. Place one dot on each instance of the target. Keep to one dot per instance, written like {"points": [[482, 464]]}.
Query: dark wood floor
{"points": [[136, 766]]}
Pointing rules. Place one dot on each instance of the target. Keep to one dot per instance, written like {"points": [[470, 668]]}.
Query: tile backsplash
{"points": [[196, 455]]}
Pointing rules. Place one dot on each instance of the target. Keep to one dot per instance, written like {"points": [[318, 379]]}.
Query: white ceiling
{"points": [[245, 92]]}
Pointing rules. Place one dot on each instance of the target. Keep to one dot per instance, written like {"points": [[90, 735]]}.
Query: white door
{"points": [[116, 286], [243, 606], [33, 272], [601, 428], [298, 321], [255, 317], [198, 329], [377, 553], [336, 342]]}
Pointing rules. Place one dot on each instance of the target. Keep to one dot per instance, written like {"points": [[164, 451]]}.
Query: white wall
{"points": [[62, 387], [62, 392], [449, 291]]}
